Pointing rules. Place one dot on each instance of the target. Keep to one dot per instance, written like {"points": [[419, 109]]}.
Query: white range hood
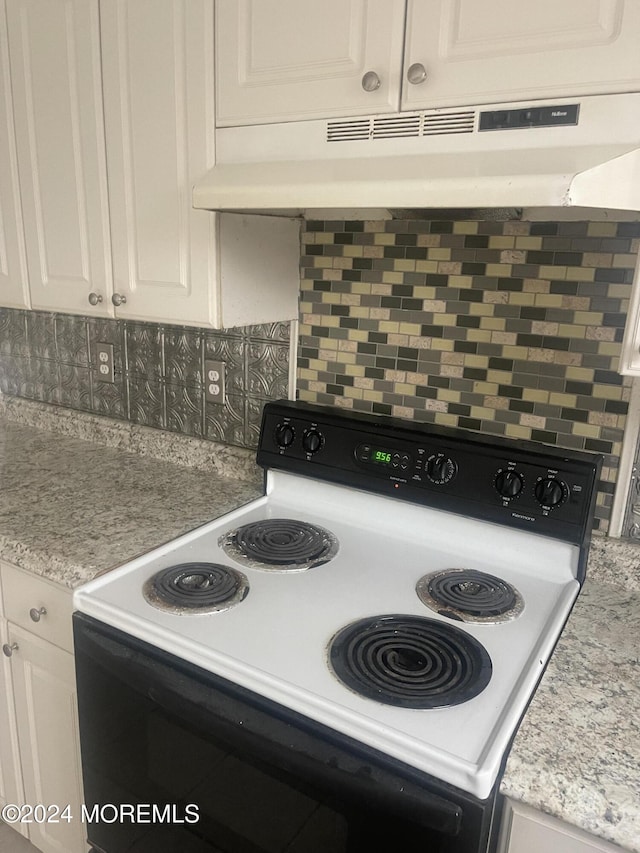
{"points": [[580, 152]]}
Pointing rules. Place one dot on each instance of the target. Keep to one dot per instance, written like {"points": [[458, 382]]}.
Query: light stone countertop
{"points": [[577, 753], [71, 508]]}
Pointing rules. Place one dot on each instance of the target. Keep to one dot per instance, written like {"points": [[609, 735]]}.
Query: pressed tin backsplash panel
{"points": [[509, 328], [158, 371]]}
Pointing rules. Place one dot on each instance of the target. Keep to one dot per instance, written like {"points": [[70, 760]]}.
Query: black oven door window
{"points": [[178, 761]]}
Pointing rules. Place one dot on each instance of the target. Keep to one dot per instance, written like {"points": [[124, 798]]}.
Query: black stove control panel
{"points": [[536, 487]]}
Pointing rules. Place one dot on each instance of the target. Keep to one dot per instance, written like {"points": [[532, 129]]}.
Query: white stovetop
{"points": [[275, 641]]}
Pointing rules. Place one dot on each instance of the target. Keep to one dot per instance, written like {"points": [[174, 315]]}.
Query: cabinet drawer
{"points": [[25, 594]]}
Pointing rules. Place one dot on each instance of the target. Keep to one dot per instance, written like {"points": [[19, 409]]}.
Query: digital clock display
{"points": [[383, 458]]}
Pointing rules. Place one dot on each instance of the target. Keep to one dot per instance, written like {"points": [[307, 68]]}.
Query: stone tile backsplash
{"points": [[511, 328], [159, 371]]}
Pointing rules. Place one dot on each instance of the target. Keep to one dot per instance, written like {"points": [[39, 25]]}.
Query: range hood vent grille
{"points": [[442, 123], [349, 131], [396, 126], [402, 125]]}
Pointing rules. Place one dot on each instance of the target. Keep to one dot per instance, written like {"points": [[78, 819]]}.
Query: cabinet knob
{"points": [[95, 298], [370, 81], [118, 299], [8, 650], [416, 73], [36, 613]]}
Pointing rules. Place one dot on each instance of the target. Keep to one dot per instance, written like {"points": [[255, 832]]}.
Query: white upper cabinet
{"points": [[54, 48], [14, 284], [280, 59], [114, 104], [299, 59], [483, 51], [172, 263], [158, 103]]}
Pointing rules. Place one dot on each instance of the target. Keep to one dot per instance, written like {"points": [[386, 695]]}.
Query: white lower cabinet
{"points": [[527, 830], [11, 790], [41, 727]]}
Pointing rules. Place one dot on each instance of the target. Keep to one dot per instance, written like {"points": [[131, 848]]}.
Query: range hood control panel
{"points": [[533, 116]]}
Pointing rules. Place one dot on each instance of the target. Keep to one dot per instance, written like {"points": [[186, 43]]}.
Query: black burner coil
{"points": [[282, 542], [410, 661], [198, 585], [473, 592]]}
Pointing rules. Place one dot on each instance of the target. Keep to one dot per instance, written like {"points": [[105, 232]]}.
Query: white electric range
{"points": [[400, 585]]}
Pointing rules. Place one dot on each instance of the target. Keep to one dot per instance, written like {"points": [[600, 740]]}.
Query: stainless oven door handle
{"points": [[266, 731]]}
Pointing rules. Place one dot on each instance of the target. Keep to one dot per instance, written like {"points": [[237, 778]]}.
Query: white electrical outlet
{"points": [[105, 362], [214, 385]]}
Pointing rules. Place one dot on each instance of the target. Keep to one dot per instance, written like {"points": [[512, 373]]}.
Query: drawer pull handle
{"points": [[37, 613], [8, 650]]}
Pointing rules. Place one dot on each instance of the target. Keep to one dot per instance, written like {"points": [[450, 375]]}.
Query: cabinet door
{"points": [[303, 59], [159, 119], [483, 51], [14, 288], [54, 52], [526, 830], [46, 713], [10, 778]]}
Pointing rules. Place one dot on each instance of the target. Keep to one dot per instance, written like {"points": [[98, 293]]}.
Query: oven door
{"points": [[176, 759]]}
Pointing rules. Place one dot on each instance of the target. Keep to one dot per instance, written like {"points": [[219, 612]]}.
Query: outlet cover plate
{"points": [[214, 384], [105, 362]]}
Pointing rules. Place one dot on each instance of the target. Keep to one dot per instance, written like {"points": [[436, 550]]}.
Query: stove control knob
{"points": [[440, 469], [312, 440], [550, 492], [509, 483], [285, 434]]}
